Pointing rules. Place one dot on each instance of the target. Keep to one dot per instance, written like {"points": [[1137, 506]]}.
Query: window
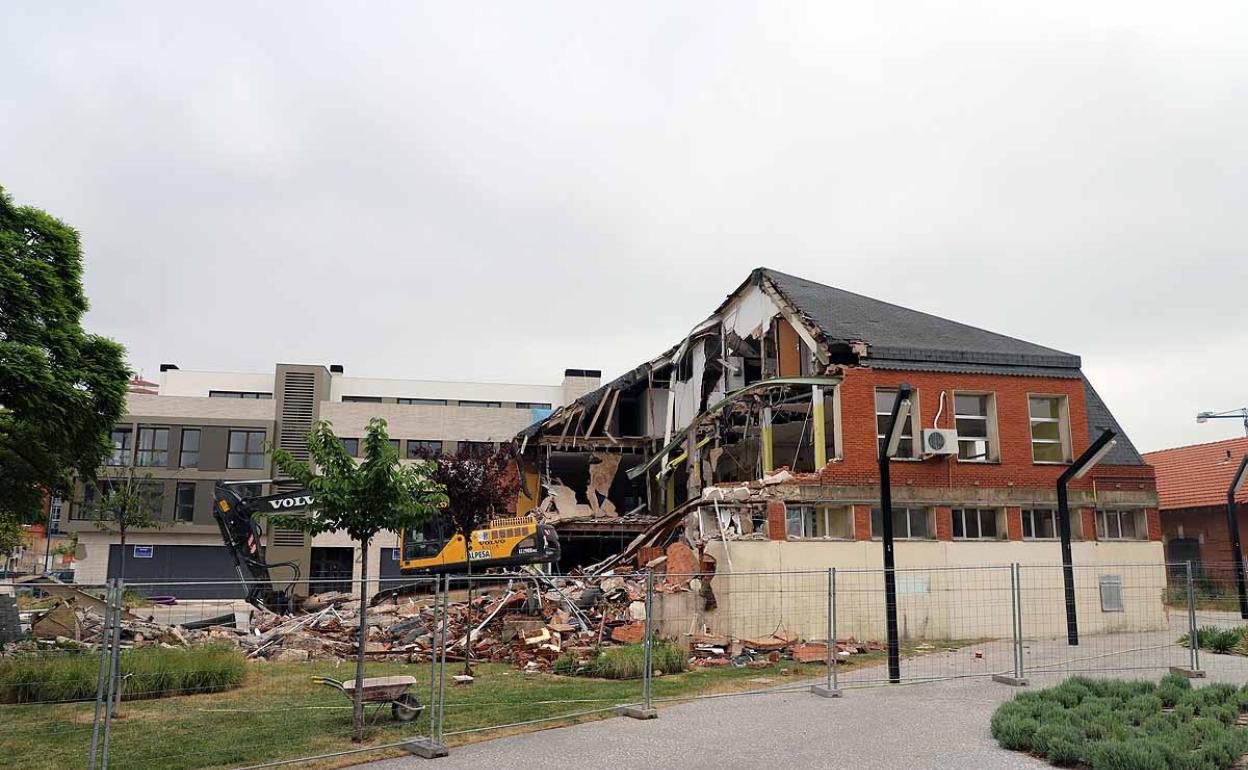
{"points": [[1121, 525], [1039, 524], [55, 511], [246, 449], [1050, 441], [974, 416], [421, 401], [121, 439], [485, 404], [531, 405], [419, 449], [476, 448], [246, 491], [352, 445], [184, 503], [361, 399], [908, 524], [249, 394], [826, 521], [153, 450], [189, 456], [976, 524], [884, 399]]}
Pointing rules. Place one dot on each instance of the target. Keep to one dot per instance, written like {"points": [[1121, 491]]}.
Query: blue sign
{"points": [[143, 551]]}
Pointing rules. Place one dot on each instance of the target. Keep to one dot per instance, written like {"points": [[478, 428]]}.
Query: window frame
{"points": [[421, 401], [362, 399], [181, 487], [249, 395], [1063, 428], [144, 456], [183, 451], [247, 453], [989, 418], [1026, 519], [474, 404], [929, 516], [126, 447], [805, 514], [1139, 523], [913, 419], [959, 515], [421, 444], [351, 444]]}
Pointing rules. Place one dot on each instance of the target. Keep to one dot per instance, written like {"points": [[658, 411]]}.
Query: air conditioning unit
{"points": [[940, 441]]}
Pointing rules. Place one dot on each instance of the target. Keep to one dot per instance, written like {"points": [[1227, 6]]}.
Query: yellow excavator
{"points": [[435, 549]]}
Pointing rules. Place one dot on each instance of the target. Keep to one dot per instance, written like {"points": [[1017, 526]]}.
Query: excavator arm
{"points": [[243, 534]]}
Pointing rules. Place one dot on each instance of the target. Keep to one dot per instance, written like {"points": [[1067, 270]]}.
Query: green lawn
{"points": [[279, 714]]}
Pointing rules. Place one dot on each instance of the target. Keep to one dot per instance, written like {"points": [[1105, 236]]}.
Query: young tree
{"points": [[124, 500], [479, 486], [61, 389], [362, 500]]}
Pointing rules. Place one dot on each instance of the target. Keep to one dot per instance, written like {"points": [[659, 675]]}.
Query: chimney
{"points": [[335, 369], [578, 382], [168, 367]]}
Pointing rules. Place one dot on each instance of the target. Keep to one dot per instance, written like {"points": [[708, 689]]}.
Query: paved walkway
{"points": [[940, 724]]}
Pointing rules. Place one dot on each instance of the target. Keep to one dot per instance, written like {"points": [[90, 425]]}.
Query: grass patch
{"points": [[1220, 640], [1109, 724], [626, 662], [151, 672]]}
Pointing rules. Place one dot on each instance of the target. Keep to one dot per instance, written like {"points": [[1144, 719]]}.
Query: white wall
{"points": [[342, 385]]}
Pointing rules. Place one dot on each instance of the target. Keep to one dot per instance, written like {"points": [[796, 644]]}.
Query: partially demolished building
{"points": [[756, 438]]}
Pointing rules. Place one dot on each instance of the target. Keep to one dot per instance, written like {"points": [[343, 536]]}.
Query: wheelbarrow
{"points": [[404, 706]]}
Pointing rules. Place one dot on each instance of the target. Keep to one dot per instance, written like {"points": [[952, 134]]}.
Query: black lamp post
{"points": [[1078, 468], [1232, 522], [900, 413]]}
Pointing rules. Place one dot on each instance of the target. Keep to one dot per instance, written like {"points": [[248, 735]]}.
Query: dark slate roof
{"points": [[1099, 418], [901, 334]]}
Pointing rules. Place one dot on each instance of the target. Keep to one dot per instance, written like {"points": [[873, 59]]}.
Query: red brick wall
{"points": [[862, 522], [1014, 523], [944, 522], [858, 450], [777, 526], [1207, 525]]}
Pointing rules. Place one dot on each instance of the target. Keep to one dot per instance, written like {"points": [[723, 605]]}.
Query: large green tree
{"points": [[61, 389], [362, 500]]}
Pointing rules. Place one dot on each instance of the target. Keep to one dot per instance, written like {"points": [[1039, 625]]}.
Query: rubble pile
{"points": [[528, 620]]}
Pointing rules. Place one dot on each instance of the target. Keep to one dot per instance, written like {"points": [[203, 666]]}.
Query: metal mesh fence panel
{"points": [[531, 649], [1127, 617], [52, 653]]}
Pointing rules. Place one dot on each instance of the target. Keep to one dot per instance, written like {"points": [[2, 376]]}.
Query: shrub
{"points": [[1113, 725], [151, 672], [626, 662]]}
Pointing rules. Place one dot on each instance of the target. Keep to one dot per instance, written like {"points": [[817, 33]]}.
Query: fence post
{"points": [[1192, 637], [102, 677], [114, 672], [1016, 630], [830, 688], [646, 710]]}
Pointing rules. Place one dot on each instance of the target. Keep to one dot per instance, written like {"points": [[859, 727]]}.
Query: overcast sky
{"points": [[459, 191]]}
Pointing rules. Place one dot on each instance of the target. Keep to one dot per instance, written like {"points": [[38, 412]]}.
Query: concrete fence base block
{"points": [[638, 712], [1190, 673], [424, 747], [823, 691], [1012, 681]]}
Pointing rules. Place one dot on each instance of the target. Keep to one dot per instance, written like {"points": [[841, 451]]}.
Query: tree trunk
{"points": [[357, 710]]}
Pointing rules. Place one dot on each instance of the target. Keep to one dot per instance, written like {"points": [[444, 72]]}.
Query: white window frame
{"points": [[996, 514], [1063, 428], [913, 420], [1110, 520], [1028, 514], [989, 419], [928, 513], [801, 514]]}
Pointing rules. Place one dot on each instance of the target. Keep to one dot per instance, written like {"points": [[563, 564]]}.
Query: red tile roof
{"points": [[1198, 475]]}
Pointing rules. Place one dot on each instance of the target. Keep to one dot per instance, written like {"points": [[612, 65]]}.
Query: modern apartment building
{"points": [[196, 428]]}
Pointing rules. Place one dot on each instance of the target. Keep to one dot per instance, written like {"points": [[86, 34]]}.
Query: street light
{"points": [[1230, 414], [1091, 456], [1232, 521], [900, 413]]}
